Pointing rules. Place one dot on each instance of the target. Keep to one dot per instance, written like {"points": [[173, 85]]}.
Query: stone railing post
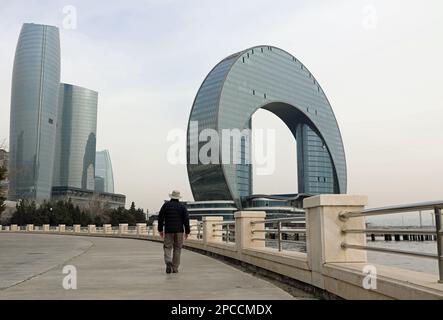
{"points": [[76, 228], [107, 228], [155, 228], [14, 227], [244, 227], [193, 223], [212, 233], [61, 228], [1, 228], [45, 227], [122, 228], [29, 227], [141, 228], [92, 228], [324, 231]]}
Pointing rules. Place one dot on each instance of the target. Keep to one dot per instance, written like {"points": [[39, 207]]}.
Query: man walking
{"points": [[173, 226]]}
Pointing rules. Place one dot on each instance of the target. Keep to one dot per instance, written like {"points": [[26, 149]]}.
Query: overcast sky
{"points": [[379, 62]]}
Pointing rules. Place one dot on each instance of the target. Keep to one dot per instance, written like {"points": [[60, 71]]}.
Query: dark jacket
{"points": [[174, 217]]}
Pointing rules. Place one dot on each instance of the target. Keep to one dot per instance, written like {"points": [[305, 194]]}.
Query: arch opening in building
{"points": [[269, 78]]}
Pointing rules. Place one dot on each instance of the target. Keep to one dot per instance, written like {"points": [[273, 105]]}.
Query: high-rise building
{"points": [[76, 138], [272, 79], [34, 96], [103, 170]]}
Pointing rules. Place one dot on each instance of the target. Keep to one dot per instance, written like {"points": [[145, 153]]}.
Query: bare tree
{"points": [[3, 177], [97, 207]]}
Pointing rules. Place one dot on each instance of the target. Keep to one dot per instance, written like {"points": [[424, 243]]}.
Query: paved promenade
{"points": [[31, 268]]}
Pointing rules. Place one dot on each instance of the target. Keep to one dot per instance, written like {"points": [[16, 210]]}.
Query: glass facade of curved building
{"points": [[269, 78], [34, 96], [76, 138]]}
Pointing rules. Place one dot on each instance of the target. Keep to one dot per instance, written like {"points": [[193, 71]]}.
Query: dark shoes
{"points": [[170, 268]]}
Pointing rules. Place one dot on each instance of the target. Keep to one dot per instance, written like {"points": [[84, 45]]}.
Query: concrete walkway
{"points": [[31, 268]]}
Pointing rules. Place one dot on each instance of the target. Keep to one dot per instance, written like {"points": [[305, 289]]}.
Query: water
{"points": [[402, 261], [411, 219], [394, 260]]}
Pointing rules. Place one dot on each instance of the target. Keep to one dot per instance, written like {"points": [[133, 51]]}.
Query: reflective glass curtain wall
{"points": [[270, 78], [34, 95], [103, 170], [76, 138]]}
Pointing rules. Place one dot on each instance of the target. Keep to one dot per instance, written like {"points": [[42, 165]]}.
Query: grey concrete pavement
{"points": [[108, 268]]}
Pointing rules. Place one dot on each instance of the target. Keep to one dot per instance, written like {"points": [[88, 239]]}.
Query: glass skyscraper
{"points": [[270, 78], [34, 96], [76, 138], [103, 172]]}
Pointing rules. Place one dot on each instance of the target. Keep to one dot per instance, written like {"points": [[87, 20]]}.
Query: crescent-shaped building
{"points": [[270, 78]]}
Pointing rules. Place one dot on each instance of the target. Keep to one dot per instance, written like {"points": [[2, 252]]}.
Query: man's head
{"points": [[175, 195]]}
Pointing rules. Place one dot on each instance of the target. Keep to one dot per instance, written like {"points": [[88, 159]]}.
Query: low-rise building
{"points": [[84, 198]]}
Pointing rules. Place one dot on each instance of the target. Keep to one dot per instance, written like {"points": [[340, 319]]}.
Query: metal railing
{"points": [[280, 230], [434, 205], [227, 233], [132, 230]]}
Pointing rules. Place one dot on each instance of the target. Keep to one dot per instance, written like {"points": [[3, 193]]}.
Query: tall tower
{"points": [[34, 97], [103, 172], [76, 138]]}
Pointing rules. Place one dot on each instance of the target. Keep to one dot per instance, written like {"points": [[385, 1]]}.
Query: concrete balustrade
{"points": [[326, 265], [61, 228], [212, 232], [141, 229], [155, 229], [193, 225], [123, 228], [107, 228], [323, 229], [76, 228], [244, 227], [92, 228]]}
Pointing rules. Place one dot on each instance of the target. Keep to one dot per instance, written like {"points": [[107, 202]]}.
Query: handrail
{"points": [[430, 205], [386, 250], [297, 219], [282, 230], [279, 231], [224, 223], [391, 231], [435, 205]]}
